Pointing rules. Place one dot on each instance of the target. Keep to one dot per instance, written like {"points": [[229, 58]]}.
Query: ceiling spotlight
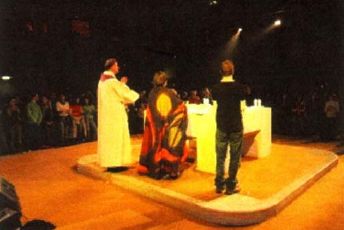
{"points": [[6, 78], [213, 2], [239, 30], [278, 22]]}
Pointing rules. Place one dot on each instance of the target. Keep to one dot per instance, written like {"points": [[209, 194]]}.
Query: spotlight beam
{"points": [[278, 22], [6, 78], [233, 43]]}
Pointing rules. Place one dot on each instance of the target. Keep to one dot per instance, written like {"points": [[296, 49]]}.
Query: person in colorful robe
{"points": [[163, 147], [114, 149]]}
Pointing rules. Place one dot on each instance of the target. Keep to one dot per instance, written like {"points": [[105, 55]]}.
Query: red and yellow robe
{"points": [[163, 147]]}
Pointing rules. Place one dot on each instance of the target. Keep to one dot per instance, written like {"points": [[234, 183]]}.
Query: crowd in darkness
{"points": [[41, 121], [310, 109]]}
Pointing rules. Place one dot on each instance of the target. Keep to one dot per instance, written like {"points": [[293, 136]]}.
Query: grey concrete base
{"points": [[235, 209]]}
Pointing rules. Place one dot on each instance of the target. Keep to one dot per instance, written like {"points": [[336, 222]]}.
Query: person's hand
{"points": [[124, 79]]}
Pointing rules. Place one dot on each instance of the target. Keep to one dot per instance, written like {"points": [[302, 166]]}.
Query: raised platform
{"points": [[268, 184]]}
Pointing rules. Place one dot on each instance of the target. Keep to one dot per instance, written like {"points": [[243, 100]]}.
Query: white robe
{"points": [[113, 132]]}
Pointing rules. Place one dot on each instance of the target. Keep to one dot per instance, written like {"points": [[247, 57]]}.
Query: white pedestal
{"points": [[257, 118], [202, 125]]}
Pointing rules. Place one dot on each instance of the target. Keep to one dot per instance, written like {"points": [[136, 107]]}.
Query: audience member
{"points": [[206, 96], [90, 112], [34, 119], [13, 126], [3, 142], [48, 124], [194, 98], [331, 110], [64, 120], [298, 116], [79, 131]]}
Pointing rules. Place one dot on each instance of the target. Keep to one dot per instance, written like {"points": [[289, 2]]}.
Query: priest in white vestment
{"points": [[114, 149]]}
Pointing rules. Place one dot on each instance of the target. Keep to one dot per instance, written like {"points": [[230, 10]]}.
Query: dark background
{"points": [[61, 46]]}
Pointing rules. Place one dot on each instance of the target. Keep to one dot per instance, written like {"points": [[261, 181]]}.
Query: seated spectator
{"points": [[64, 119], [298, 116], [206, 96], [48, 124], [13, 126], [194, 98], [184, 95], [3, 143], [34, 119], [53, 100], [78, 121], [89, 113], [331, 110], [136, 114]]}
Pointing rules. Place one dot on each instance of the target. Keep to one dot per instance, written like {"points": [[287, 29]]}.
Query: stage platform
{"points": [[267, 185]]}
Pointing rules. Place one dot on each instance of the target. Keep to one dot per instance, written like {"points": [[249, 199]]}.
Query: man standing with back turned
{"points": [[228, 94]]}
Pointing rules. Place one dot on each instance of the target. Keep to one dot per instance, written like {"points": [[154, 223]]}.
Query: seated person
{"points": [[78, 120], [206, 96], [194, 98], [163, 147]]}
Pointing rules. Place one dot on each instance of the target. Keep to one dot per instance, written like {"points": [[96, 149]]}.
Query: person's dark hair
{"points": [[89, 100], [10, 99], [109, 62], [32, 95], [62, 96], [159, 78]]}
